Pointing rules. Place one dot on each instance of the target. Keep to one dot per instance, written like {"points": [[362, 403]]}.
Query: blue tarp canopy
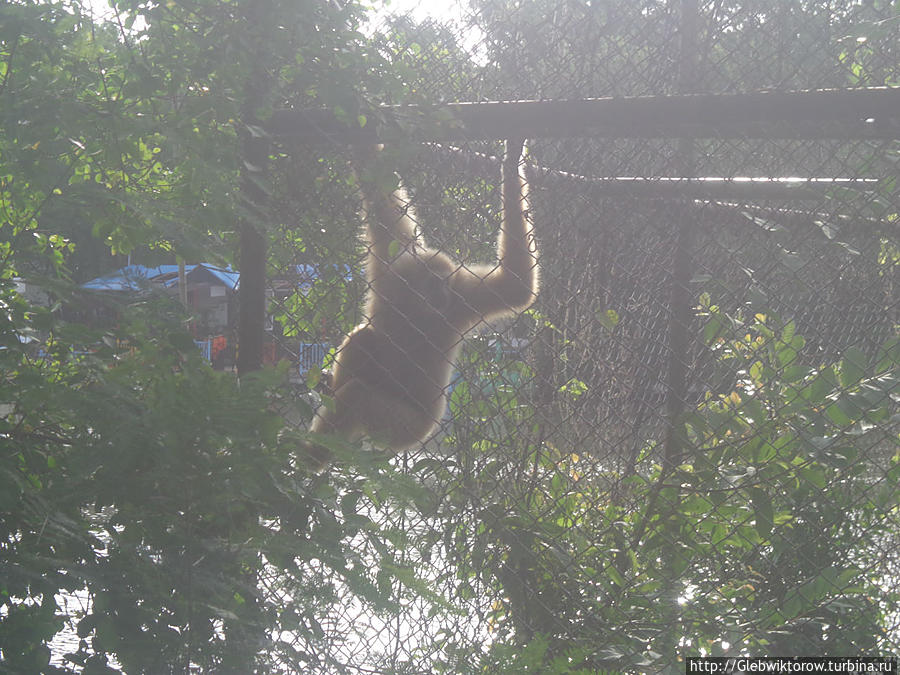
{"points": [[199, 272], [138, 277], [308, 274], [134, 278]]}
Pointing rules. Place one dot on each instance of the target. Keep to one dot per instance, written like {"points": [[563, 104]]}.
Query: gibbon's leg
{"points": [[370, 397], [337, 418], [393, 423], [362, 410], [353, 364], [511, 285], [375, 379]]}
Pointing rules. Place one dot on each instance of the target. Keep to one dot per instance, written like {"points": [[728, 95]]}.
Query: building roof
{"points": [[133, 278]]}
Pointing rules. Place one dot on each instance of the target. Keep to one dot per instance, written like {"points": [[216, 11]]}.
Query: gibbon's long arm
{"points": [[389, 219], [390, 222], [511, 285]]}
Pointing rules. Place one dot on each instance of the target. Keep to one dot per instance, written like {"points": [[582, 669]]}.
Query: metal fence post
{"points": [[682, 264], [252, 295]]}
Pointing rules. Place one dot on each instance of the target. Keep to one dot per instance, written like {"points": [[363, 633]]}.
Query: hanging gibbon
{"points": [[390, 375]]}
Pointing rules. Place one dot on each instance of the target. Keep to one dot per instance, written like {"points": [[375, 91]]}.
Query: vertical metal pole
{"points": [[182, 282], [252, 293], [244, 635], [682, 266]]}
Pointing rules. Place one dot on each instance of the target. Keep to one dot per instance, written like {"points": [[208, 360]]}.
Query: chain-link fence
{"points": [[688, 445]]}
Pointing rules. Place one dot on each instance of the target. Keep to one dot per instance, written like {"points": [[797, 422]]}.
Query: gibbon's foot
{"points": [[311, 456], [315, 457], [364, 154]]}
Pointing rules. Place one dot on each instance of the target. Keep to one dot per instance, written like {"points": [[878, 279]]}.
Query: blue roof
{"points": [[130, 278], [139, 277], [224, 275]]}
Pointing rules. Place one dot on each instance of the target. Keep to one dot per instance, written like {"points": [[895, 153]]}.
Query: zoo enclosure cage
{"points": [[715, 198]]}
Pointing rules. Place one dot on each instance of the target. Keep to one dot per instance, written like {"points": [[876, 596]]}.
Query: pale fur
{"points": [[391, 373]]}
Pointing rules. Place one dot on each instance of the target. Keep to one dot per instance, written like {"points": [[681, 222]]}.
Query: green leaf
{"points": [[313, 377], [609, 319], [853, 367], [820, 387], [795, 373], [814, 475], [763, 511], [713, 328], [787, 333], [838, 416], [613, 574], [787, 356], [888, 356]]}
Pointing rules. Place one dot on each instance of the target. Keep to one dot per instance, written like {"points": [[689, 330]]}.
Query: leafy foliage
{"points": [[132, 475], [773, 515], [153, 510]]}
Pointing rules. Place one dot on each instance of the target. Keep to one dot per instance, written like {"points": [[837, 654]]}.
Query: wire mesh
{"points": [[669, 368]]}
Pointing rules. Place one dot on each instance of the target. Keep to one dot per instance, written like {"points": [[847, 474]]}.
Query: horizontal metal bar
{"points": [[833, 113]]}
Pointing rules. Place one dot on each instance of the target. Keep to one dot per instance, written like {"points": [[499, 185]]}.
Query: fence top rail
{"points": [[758, 187], [815, 114]]}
